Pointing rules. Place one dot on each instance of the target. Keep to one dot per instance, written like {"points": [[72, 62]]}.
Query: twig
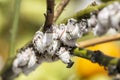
{"points": [[60, 8], [86, 12], [49, 16], [112, 64], [13, 35], [99, 40]]}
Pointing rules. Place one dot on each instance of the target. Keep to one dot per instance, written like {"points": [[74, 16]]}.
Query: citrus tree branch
{"points": [[59, 9], [99, 40], [86, 12], [112, 64]]}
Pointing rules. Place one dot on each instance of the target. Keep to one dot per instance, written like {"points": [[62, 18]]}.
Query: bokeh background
{"points": [[31, 18]]}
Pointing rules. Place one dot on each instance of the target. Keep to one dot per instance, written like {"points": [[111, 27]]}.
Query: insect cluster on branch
{"points": [[107, 18], [57, 42]]}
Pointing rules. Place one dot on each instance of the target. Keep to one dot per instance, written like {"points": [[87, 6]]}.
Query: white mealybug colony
{"points": [[50, 46], [107, 18], [26, 57], [57, 43]]}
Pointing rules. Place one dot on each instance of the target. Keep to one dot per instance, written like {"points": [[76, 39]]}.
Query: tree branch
{"points": [[86, 12], [99, 40], [112, 64], [49, 16], [60, 8]]}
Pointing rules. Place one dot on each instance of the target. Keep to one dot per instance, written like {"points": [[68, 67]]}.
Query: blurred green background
{"points": [[31, 18]]}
